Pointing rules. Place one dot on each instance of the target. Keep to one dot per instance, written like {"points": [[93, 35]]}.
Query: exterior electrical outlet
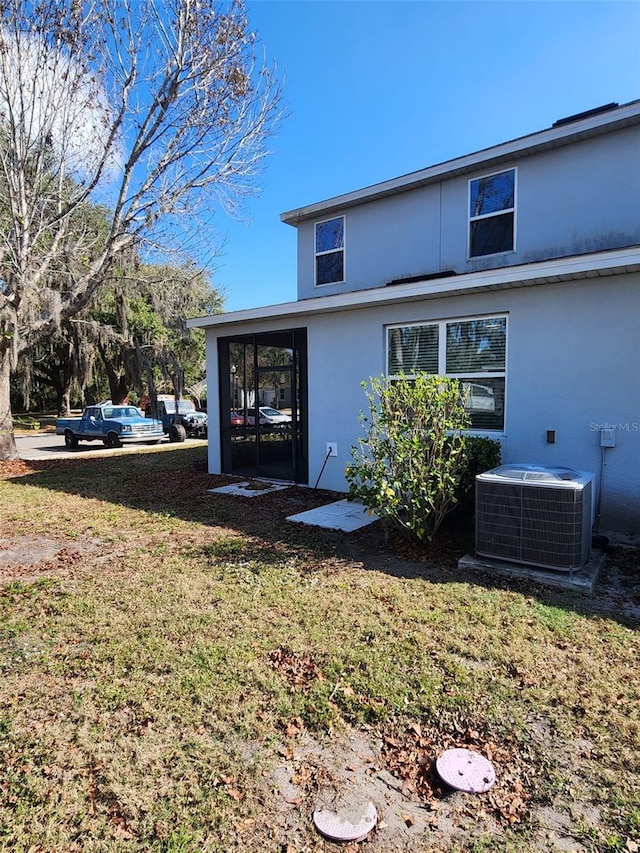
{"points": [[332, 448]]}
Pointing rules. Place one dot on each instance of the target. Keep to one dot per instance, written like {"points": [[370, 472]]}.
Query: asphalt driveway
{"points": [[48, 445]]}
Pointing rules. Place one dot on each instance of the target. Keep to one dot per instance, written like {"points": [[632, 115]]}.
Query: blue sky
{"points": [[379, 88]]}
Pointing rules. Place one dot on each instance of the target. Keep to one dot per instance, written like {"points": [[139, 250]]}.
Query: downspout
{"points": [[599, 501]]}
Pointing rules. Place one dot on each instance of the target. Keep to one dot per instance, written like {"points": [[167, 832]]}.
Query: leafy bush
{"points": [[407, 468], [481, 454]]}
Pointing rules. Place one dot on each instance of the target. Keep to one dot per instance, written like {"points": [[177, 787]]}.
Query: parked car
{"points": [[189, 423], [237, 419], [267, 416], [478, 398], [112, 424]]}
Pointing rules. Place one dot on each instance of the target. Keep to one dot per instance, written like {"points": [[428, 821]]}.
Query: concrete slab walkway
{"points": [[248, 489], [342, 515]]}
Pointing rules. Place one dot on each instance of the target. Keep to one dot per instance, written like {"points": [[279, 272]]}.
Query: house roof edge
{"points": [[559, 134], [610, 262]]}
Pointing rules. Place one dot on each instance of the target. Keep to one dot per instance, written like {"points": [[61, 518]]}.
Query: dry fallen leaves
{"points": [[410, 754], [299, 670]]}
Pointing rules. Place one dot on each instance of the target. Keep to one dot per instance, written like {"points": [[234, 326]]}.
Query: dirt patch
{"points": [[28, 558], [416, 810], [310, 773], [27, 552], [20, 468], [619, 590]]}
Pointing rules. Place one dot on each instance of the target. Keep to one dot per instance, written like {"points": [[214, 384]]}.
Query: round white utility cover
{"points": [[466, 770], [346, 824]]}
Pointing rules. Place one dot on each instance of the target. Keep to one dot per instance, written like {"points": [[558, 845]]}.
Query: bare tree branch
{"points": [[158, 110]]}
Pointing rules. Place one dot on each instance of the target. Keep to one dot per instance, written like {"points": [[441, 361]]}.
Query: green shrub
{"points": [[481, 454], [407, 468]]}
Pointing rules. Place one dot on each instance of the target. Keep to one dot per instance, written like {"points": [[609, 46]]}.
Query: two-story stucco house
{"points": [[515, 269]]}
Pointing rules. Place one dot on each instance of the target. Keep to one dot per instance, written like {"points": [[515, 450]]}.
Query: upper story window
{"points": [[472, 350], [330, 251], [492, 205]]}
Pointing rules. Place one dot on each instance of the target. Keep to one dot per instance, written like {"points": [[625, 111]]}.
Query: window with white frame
{"points": [[472, 350], [492, 205], [330, 251]]}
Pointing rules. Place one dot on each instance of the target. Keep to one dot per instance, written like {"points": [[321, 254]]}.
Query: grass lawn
{"points": [[190, 672]]}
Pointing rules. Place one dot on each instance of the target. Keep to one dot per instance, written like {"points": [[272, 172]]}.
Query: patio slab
{"points": [[580, 580], [342, 515], [247, 490]]}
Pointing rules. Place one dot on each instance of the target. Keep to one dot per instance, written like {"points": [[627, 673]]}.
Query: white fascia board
{"points": [[543, 272], [553, 137]]}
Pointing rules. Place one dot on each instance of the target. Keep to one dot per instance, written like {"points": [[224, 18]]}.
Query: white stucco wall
{"points": [[578, 198], [573, 364]]}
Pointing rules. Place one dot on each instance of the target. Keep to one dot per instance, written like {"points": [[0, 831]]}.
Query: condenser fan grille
{"points": [[538, 525]]}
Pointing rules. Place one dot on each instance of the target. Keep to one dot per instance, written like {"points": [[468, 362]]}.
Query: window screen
{"points": [[473, 350], [413, 349], [476, 346]]}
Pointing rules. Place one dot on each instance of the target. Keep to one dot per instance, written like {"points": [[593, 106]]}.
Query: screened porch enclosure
{"points": [[263, 405]]}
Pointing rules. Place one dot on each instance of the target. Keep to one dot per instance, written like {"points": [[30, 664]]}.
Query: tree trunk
{"points": [[118, 385], [119, 390], [66, 362], [8, 449], [64, 406]]}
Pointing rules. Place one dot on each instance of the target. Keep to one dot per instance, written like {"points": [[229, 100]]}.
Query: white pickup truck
{"points": [[111, 424]]}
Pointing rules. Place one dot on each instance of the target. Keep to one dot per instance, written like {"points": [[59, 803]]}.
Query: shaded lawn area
{"points": [[190, 672]]}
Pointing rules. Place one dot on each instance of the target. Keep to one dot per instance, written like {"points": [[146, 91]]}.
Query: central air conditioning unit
{"points": [[535, 515]]}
